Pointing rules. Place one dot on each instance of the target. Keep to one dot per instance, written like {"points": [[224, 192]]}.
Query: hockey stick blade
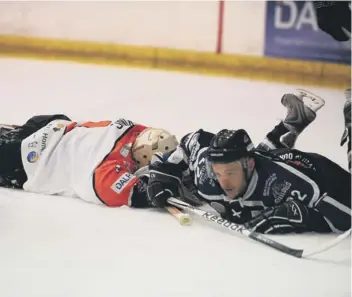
{"points": [[236, 228]]}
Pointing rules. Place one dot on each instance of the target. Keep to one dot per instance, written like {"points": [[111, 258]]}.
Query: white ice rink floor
{"points": [[54, 246]]}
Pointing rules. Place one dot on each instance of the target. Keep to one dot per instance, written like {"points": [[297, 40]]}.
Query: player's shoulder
{"points": [[199, 138]]}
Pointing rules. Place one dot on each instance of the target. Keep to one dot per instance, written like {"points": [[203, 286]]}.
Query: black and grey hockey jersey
{"points": [[279, 175]]}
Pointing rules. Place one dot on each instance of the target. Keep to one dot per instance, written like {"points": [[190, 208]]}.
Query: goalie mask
{"points": [[151, 141]]}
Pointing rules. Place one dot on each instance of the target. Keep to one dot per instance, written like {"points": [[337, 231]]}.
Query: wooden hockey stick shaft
{"points": [[299, 253], [182, 217]]}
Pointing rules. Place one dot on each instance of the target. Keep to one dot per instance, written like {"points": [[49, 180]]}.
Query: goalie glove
{"points": [[164, 182], [290, 216]]}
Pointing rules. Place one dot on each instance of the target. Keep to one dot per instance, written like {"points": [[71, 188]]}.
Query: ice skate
{"points": [[301, 111]]}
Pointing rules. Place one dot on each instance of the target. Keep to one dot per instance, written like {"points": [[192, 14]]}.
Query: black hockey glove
{"points": [[164, 182], [290, 216], [233, 211], [334, 18]]}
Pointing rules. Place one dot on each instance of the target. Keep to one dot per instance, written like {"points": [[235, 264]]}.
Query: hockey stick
{"points": [[299, 253], [235, 227], [182, 217], [327, 245]]}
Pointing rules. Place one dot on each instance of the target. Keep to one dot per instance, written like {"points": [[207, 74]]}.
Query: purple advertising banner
{"points": [[291, 31]]}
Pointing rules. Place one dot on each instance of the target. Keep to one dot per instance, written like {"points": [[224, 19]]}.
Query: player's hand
{"points": [[233, 211], [164, 182], [290, 216]]}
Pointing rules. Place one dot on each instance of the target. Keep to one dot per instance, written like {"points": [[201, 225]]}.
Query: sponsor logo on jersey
{"points": [[298, 160], [279, 190], [32, 157], [122, 182], [58, 127], [121, 123], [32, 144], [236, 214], [125, 150], [286, 156], [44, 140], [268, 184]]}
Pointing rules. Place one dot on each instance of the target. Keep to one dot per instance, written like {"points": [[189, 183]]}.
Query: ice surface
{"points": [[58, 246]]}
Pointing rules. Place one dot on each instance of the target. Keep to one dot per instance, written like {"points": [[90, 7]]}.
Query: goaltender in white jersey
{"points": [[94, 161]]}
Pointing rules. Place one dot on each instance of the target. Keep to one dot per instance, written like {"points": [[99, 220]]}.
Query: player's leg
{"points": [[37, 122], [4, 128], [335, 201], [33, 124], [301, 111], [346, 137], [328, 212], [12, 173]]}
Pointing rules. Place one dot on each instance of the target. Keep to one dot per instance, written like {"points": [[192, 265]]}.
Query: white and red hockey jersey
{"points": [[90, 160]]}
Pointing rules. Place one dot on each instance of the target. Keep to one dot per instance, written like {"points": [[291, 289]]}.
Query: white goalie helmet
{"points": [[151, 141]]}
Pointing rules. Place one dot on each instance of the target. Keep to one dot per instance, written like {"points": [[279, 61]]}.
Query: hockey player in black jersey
{"points": [[334, 18], [270, 189]]}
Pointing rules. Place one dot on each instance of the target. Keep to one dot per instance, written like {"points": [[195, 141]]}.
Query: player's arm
{"points": [[299, 209], [301, 111], [288, 217], [115, 186], [166, 173]]}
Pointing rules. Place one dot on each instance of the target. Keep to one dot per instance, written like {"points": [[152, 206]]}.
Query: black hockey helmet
{"points": [[229, 146]]}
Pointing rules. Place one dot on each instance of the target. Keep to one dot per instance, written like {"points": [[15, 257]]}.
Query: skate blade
{"points": [[312, 101]]}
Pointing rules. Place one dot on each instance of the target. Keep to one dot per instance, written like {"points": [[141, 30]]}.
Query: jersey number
{"points": [[298, 195]]}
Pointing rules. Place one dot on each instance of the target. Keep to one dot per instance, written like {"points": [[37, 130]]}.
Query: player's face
{"points": [[230, 177]]}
